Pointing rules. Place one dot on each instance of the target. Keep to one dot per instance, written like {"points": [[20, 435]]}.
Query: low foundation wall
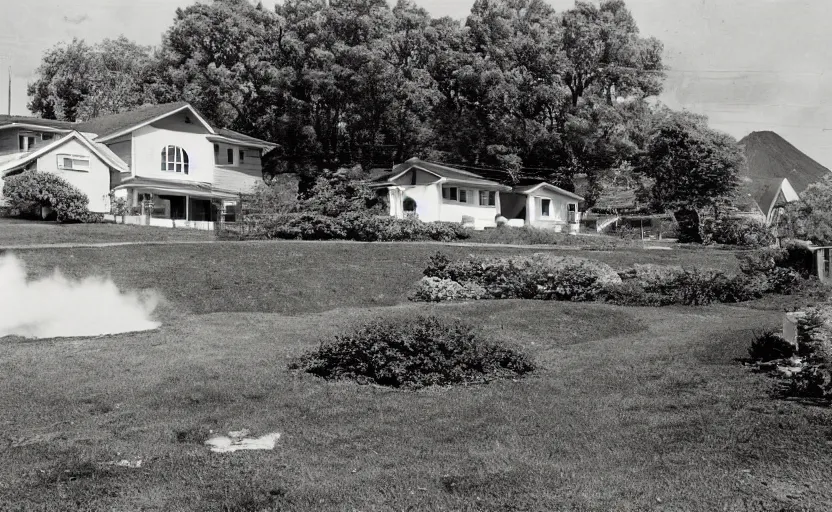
{"points": [[141, 220]]}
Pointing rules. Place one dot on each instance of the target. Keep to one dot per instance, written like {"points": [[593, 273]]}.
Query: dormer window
{"points": [[174, 159]]}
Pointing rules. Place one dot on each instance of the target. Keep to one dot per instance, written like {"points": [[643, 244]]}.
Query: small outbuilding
{"points": [[542, 205]]}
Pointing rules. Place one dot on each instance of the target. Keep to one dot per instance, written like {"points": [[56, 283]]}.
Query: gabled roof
{"points": [[448, 174], [106, 128], [532, 187], [116, 125], [765, 193], [28, 121], [101, 151]]}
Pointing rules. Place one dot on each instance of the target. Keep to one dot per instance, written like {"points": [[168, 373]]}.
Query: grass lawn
{"points": [[631, 408], [17, 232]]}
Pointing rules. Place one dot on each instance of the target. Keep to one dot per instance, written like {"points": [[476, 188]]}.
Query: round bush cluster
{"points": [[28, 191], [415, 353]]}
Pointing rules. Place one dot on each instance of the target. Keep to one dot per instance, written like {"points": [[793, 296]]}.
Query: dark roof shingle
{"points": [[109, 125], [38, 121]]}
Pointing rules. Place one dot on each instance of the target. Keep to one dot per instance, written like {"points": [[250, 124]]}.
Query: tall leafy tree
{"points": [[77, 81], [689, 168]]}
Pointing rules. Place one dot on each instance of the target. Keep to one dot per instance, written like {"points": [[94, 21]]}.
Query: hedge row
{"points": [[548, 277], [352, 226]]}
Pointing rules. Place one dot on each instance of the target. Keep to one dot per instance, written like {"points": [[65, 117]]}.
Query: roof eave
{"points": [[135, 127], [40, 128], [251, 144]]}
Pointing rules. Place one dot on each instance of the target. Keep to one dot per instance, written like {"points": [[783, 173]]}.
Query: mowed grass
{"points": [[21, 232], [631, 408], [299, 277]]}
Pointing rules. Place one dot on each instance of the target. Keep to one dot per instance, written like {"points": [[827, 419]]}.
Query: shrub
{"points": [[662, 285], [798, 257], [371, 228], [541, 276], [547, 277], [770, 346], [413, 354], [433, 289], [275, 195], [351, 226], [303, 226], [653, 278], [784, 281], [339, 192], [632, 293], [812, 382], [814, 335], [741, 232], [760, 261], [31, 190], [785, 271], [700, 287]]}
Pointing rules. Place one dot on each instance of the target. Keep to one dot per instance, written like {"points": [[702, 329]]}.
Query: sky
{"points": [[749, 65]]}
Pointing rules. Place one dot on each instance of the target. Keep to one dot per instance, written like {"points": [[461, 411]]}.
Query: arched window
{"points": [[174, 159]]}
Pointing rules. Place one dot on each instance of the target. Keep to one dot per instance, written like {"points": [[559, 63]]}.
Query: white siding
{"points": [[430, 206], [557, 208], [237, 176], [95, 182], [147, 152]]}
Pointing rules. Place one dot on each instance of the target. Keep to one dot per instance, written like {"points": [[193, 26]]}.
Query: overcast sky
{"points": [[748, 64]]}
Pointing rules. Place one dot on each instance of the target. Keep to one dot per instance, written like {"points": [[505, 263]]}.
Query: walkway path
{"points": [[187, 242]]}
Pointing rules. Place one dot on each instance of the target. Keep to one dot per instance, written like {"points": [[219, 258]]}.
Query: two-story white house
{"points": [[167, 156]]}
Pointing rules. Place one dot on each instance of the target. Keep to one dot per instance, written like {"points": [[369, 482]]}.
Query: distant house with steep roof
{"points": [[776, 173]]}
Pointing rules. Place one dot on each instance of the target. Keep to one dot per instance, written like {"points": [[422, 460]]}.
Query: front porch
{"points": [[185, 205]]}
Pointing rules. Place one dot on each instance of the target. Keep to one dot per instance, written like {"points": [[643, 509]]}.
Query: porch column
{"points": [[530, 209], [187, 208], [497, 203]]}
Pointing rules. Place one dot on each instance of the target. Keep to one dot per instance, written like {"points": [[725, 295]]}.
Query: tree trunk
{"points": [[690, 225]]}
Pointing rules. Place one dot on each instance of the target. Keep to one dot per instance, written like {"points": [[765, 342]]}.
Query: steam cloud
{"points": [[55, 306]]}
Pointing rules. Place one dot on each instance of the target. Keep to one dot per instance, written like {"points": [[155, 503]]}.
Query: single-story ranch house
{"points": [[436, 192], [165, 155]]}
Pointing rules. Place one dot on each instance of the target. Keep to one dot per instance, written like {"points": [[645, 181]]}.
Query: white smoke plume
{"points": [[55, 306]]}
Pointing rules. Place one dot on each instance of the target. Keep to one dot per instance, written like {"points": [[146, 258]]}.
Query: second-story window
{"points": [[174, 159], [26, 142], [230, 155]]}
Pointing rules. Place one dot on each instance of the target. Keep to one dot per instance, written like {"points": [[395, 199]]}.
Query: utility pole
{"points": [[9, 107]]}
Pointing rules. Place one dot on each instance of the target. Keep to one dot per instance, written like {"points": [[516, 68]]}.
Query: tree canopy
{"points": [[516, 88], [76, 81]]}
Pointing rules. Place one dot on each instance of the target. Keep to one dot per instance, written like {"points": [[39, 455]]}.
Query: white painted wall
{"points": [[557, 209], [147, 150], [95, 183], [430, 206], [428, 200], [484, 216]]}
